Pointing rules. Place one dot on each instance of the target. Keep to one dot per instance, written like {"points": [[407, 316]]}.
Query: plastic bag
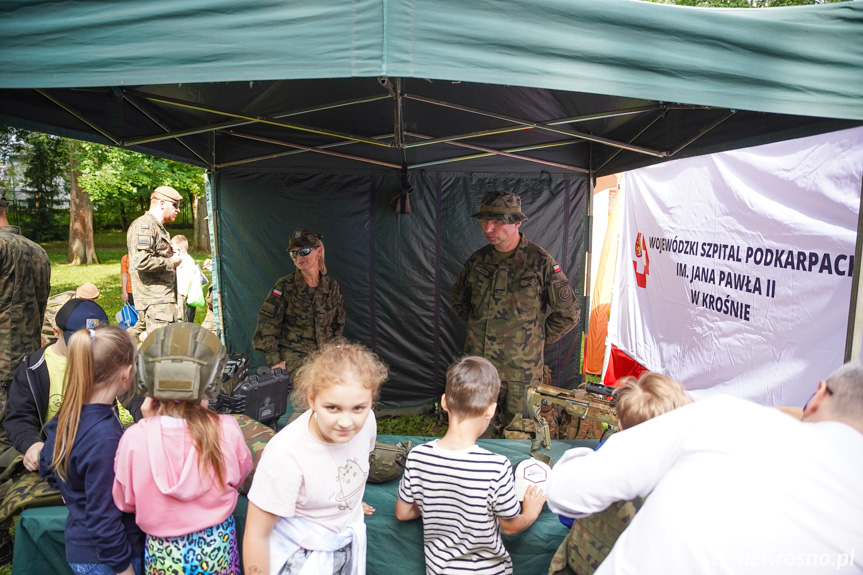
{"points": [[127, 316], [196, 293]]}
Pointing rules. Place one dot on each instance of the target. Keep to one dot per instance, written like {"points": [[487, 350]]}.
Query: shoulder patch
{"points": [[564, 293], [555, 268], [145, 226], [277, 293], [143, 240]]}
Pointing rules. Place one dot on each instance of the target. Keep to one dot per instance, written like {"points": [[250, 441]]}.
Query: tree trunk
{"points": [[124, 221], [202, 227], [82, 248]]}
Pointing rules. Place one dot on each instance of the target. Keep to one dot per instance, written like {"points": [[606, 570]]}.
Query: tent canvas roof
{"points": [[566, 85]]}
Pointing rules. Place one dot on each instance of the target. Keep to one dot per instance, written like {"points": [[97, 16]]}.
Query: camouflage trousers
{"points": [[591, 538], [153, 317], [512, 421]]}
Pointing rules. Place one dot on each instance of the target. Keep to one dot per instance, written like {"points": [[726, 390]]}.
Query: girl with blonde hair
{"points": [[179, 468], [305, 511], [79, 453]]}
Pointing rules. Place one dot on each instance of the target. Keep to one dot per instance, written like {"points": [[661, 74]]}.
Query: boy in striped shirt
{"points": [[465, 494]]}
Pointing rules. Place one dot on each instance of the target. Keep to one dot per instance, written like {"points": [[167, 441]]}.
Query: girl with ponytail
{"points": [[179, 468], [79, 453]]}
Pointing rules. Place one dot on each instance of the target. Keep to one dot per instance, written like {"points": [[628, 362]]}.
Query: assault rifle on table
{"points": [[591, 410]]}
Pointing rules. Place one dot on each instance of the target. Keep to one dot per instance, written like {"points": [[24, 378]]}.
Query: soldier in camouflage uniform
{"points": [[25, 281], [86, 290], [514, 299], [152, 261], [303, 310]]}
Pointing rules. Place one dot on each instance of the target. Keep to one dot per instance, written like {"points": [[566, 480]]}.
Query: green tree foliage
{"points": [[115, 173], [120, 180], [46, 176]]}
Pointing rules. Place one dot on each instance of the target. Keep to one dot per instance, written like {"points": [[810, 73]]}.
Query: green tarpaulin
{"points": [[320, 114]]}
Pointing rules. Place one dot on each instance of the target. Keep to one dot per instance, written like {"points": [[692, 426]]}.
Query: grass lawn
{"points": [[110, 247]]}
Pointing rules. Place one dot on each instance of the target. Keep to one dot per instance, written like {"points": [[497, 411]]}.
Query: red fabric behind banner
{"points": [[621, 365]]}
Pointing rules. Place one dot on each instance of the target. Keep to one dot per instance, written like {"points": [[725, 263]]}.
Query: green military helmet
{"points": [[387, 461], [181, 361]]}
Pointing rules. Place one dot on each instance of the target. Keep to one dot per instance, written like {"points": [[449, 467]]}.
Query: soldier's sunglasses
{"points": [[302, 252]]}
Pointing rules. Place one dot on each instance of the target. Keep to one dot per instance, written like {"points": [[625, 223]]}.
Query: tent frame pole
{"points": [[235, 123], [299, 147], [854, 336], [519, 128], [80, 116], [491, 152], [138, 106], [541, 126], [265, 120]]}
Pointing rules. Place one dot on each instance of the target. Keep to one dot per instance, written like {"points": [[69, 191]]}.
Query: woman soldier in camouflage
{"points": [[303, 310]]}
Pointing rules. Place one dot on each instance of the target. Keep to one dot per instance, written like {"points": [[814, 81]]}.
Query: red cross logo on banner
{"points": [[641, 263]]}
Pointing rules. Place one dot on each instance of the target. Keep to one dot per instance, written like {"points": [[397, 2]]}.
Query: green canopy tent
{"points": [[324, 114]]}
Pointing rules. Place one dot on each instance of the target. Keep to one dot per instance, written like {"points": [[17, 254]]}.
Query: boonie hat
{"points": [[302, 238], [78, 314], [500, 207], [530, 472], [166, 193], [181, 361], [87, 290]]}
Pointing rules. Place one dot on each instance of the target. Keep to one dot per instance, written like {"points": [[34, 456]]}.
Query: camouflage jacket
{"points": [[55, 302], [513, 308], [295, 319], [25, 281], [150, 265]]}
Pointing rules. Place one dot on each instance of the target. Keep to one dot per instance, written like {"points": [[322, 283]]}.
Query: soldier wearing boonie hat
{"points": [[25, 281], [514, 299], [152, 261], [303, 310]]}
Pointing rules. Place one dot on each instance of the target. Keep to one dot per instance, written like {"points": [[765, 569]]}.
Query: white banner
{"points": [[734, 269]]}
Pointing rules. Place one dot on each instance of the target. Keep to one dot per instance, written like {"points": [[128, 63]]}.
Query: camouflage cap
{"points": [[181, 361], [501, 207], [302, 238]]}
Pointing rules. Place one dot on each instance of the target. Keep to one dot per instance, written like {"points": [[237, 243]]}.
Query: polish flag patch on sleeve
{"points": [[555, 268], [277, 293]]}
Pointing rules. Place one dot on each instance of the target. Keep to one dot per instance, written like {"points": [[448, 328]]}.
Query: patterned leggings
{"points": [[210, 551]]}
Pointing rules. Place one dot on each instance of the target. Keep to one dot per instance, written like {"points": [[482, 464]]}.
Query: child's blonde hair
{"points": [[329, 366], [472, 384], [95, 357], [181, 242], [650, 395], [206, 432]]}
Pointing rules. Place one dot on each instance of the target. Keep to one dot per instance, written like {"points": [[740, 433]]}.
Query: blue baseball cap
{"points": [[78, 314]]}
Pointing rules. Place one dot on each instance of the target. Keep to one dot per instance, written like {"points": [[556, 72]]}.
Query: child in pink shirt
{"points": [[179, 468]]}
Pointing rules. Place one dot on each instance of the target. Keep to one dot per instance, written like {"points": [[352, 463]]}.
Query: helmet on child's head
{"points": [[181, 361]]}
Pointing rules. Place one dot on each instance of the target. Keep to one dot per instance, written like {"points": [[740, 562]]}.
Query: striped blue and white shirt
{"points": [[460, 494]]}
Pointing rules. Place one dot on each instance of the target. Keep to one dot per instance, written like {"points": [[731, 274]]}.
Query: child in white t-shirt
{"points": [[305, 510], [187, 272]]}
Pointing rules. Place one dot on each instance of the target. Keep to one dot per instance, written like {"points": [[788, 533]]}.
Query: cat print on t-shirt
{"points": [[351, 481]]}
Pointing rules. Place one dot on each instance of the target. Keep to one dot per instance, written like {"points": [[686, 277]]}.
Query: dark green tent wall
{"points": [[395, 271], [305, 112]]}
